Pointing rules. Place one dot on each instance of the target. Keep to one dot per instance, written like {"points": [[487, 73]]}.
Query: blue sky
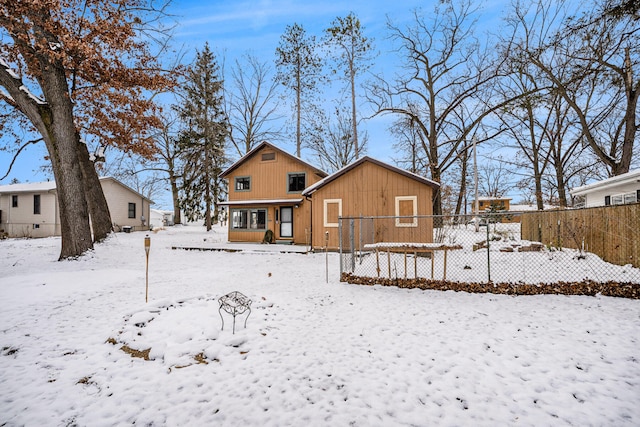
{"points": [[234, 28]]}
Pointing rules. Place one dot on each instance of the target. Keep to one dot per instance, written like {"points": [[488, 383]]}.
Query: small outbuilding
{"points": [[371, 188]]}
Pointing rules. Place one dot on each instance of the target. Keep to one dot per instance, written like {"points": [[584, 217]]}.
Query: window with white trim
{"points": [[331, 212], [406, 211]]}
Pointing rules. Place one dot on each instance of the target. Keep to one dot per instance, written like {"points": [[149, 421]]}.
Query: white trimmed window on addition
{"points": [[243, 183], [331, 212], [406, 211]]}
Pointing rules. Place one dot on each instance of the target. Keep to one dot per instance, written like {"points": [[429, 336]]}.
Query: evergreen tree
{"points": [[202, 144]]}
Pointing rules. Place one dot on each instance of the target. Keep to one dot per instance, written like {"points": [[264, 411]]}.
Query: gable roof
{"points": [[313, 188], [262, 145], [110, 178], [34, 187], [625, 178]]}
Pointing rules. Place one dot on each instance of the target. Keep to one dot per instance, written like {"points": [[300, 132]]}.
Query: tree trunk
{"points": [[177, 219], [96, 202], [630, 129], [463, 182], [354, 120], [61, 139]]}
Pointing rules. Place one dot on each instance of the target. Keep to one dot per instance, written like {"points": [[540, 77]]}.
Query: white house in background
{"points": [[617, 190], [160, 218], [31, 210]]}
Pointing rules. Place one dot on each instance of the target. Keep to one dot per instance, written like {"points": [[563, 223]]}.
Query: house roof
{"points": [[33, 187], [110, 178], [262, 145], [489, 199], [261, 202], [28, 187], [625, 178], [313, 188]]}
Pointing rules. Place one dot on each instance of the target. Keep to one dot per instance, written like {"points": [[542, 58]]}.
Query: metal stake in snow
{"points": [[326, 253], [147, 246]]}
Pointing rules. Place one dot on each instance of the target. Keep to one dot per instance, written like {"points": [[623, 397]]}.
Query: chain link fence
{"points": [[507, 249]]}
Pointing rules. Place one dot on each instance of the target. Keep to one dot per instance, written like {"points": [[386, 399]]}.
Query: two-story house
{"points": [[270, 189], [265, 193]]}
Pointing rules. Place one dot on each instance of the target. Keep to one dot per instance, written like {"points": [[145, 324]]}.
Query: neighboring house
{"points": [[617, 190], [31, 210], [160, 218], [270, 189], [495, 204], [265, 193]]}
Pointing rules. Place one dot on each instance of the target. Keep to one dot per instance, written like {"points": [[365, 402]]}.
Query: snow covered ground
{"points": [[313, 353]]}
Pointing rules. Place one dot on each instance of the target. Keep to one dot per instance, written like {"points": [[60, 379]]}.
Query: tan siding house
{"points": [[270, 189], [369, 187], [31, 210], [265, 193], [127, 207]]}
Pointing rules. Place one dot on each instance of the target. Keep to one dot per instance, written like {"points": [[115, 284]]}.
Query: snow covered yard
{"points": [[313, 353]]}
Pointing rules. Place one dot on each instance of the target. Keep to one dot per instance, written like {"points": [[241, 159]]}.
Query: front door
{"points": [[286, 221]]}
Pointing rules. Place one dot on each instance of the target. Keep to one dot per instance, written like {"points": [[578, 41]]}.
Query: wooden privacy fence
{"points": [[611, 232]]}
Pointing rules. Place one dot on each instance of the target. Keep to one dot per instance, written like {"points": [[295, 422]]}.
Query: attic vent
{"points": [[268, 156]]}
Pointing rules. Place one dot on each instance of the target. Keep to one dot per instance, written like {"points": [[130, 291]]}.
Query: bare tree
{"points": [[445, 69], [353, 48], [603, 50], [299, 69], [73, 68], [252, 104], [150, 176], [495, 178], [331, 138]]}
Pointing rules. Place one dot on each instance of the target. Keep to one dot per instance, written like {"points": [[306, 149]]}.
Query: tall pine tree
{"points": [[203, 142]]}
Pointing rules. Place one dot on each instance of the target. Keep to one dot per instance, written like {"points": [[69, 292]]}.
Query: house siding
{"points": [[371, 190], [269, 181], [22, 222], [118, 198], [597, 197]]}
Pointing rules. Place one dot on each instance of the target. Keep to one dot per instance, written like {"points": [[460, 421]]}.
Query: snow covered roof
{"points": [[261, 202], [530, 207], [28, 187], [32, 187], [625, 178], [264, 144], [313, 188], [484, 199]]}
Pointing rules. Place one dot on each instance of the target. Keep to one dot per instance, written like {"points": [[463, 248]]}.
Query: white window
{"points": [[630, 198], [332, 211], [406, 211]]}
